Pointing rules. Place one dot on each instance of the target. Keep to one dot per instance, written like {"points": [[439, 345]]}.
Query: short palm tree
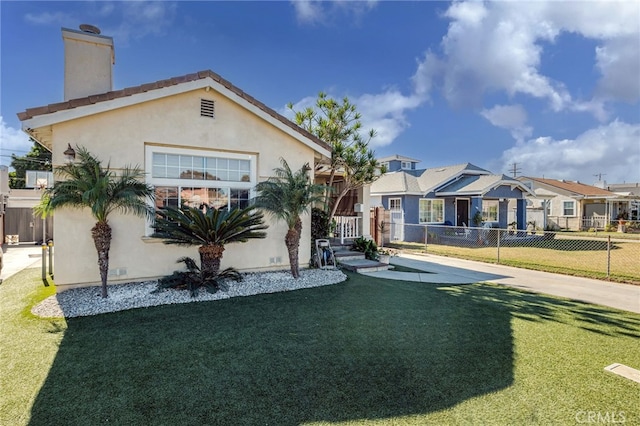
{"points": [[87, 184], [209, 228], [288, 195]]}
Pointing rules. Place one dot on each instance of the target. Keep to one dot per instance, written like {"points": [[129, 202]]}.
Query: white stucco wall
{"points": [[88, 60], [120, 136]]}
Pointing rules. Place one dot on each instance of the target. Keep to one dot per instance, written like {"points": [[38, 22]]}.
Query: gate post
{"points": [[44, 261]]}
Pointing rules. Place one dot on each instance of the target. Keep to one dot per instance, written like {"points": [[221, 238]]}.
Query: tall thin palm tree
{"points": [[209, 228], [288, 195], [87, 184]]}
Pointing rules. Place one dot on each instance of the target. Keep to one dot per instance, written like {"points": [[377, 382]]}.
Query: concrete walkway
{"points": [[16, 258], [448, 270]]}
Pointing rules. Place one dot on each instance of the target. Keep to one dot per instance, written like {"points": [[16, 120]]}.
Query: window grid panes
{"points": [[568, 208], [431, 211], [395, 204], [194, 167], [186, 196], [490, 210]]}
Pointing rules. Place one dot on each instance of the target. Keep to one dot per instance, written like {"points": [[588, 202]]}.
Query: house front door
{"points": [[462, 212]]}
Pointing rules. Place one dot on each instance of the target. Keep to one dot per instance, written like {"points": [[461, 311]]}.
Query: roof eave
{"points": [[95, 106]]}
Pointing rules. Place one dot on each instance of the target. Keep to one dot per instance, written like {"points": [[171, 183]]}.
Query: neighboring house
{"points": [[573, 205], [444, 195], [21, 224], [398, 162], [629, 190], [199, 139]]}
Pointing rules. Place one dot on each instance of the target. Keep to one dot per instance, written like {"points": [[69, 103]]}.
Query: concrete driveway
{"points": [[18, 257], [448, 270]]}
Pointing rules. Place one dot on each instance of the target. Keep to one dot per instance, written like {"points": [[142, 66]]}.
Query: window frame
{"points": [[431, 202], [488, 203], [399, 208], [573, 208], [181, 185]]}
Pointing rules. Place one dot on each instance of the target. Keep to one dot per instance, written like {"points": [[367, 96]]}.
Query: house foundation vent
{"points": [[207, 108]]}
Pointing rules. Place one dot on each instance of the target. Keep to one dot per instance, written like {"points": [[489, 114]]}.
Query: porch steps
{"points": [[355, 260]]}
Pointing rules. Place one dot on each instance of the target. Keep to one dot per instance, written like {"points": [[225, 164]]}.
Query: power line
{"points": [[33, 160], [515, 170], [599, 176]]}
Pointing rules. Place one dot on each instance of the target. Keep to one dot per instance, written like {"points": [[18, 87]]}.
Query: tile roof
{"points": [[129, 91], [575, 187]]}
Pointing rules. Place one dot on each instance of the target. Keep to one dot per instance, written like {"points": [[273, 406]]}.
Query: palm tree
{"points": [[209, 228], [88, 184], [287, 196]]}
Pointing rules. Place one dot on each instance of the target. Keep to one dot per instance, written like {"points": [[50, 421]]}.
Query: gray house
{"points": [[451, 195]]}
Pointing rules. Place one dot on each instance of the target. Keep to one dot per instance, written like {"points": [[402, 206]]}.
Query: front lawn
{"points": [[367, 351]]}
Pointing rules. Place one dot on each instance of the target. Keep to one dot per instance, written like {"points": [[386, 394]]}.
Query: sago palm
{"points": [[287, 196], [209, 228], [87, 184]]}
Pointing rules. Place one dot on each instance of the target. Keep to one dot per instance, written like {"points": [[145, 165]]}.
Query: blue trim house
{"points": [[449, 195]]}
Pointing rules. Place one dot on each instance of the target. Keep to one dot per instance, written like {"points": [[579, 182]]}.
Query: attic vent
{"points": [[207, 108]]}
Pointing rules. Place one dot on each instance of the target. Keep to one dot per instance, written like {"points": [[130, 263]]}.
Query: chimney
{"points": [[88, 62]]}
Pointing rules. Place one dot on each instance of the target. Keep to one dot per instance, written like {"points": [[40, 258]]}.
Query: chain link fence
{"points": [[612, 257]]}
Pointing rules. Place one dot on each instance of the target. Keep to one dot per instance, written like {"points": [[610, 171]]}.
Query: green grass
{"points": [[368, 351], [600, 234]]}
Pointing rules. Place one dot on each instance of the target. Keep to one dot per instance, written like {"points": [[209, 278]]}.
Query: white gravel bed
{"points": [[86, 301]]}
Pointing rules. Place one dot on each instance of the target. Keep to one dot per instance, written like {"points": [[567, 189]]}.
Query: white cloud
{"points": [[510, 117], [48, 18], [136, 19], [12, 141], [619, 63], [384, 112], [308, 11], [142, 18], [613, 149], [496, 47], [318, 11]]}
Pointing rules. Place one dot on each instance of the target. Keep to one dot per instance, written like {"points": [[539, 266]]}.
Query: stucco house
{"points": [[574, 205], [199, 139], [630, 191], [444, 195]]}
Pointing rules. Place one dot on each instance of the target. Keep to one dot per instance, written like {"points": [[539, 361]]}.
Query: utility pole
{"points": [[515, 170], [599, 176]]}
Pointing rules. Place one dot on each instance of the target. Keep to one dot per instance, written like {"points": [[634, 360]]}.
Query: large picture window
{"points": [[194, 178], [489, 210], [431, 211]]}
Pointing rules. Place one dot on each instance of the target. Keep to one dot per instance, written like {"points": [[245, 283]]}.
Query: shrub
{"points": [[368, 247], [194, 278], [319, 224]]}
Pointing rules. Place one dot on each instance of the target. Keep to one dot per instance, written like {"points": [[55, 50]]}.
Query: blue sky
{"points": [[551, 86]]}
